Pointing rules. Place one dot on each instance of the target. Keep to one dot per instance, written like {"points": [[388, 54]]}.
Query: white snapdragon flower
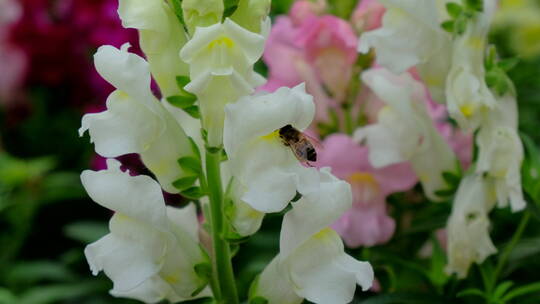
{"points": [[312, 263], [135, 121], [221, 58], [468, 225], [411, 35], [161, 37], [405, 131], [152, 249], [468, 97], [500, 152], [267, 172]]}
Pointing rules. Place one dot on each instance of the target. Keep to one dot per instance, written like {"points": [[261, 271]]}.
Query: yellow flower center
{"points": [[364, 186], [223, 41], [467, 110], [323, 234], [271, 136]]}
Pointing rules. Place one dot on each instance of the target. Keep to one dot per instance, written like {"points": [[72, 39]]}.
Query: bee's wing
{"points": [[314, 141]]}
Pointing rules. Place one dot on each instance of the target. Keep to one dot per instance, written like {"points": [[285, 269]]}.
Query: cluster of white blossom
{"points": [[446, 41], [203, 63]]}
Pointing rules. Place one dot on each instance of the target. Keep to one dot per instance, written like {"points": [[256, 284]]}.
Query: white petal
{"points": [[314, 211], [318, 273], [274, 285], [126, 127], [127, 72], [405, 131], [138, 197], [161, 38], [245, 219], [410, 35], [150, 291], [501, 152], [468, 234], [129, 255]]}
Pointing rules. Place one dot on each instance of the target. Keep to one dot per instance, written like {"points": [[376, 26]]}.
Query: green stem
{"points": [[511, 245], [349, 125], [221, 251]]}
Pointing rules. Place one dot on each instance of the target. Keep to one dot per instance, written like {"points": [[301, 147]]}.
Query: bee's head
{"points": [[286, 129]]}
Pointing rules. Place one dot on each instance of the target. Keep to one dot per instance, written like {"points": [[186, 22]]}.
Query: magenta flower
{"points": [[59, 37], [12, 59], [367, 222]]}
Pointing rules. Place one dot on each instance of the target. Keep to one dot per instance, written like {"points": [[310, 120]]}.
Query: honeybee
{"points": [[299, 143]]}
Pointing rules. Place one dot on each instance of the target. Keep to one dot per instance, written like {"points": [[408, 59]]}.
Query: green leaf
{"points": [[530, 176], [193, 193], [501, 289], [258, 300], [193, 111], [508, 64], [203, 270], [190, 164], [453, 9], [437, 274], [491, 58], [204, 135], [185, 182], [182, 81], [235, 238], [230, 7], [86, 231], [224, 156], [445, 193], [448, 26], [521, 291], [182, 101], [471, 292], [177, 7], [474, 5], [451, 178], [195, 148], [460, 25]]}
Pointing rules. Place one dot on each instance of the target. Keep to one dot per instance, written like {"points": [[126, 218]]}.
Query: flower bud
{"points": [[250, 14], [202, 13]]}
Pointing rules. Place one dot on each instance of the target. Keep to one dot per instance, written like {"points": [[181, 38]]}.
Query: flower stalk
{"points": [[508, 249], [221, 251]]}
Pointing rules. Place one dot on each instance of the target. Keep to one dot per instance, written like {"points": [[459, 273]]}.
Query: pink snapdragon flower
{"points": [[367, 222], [304, 9], [317, 50], [368, 15]]}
